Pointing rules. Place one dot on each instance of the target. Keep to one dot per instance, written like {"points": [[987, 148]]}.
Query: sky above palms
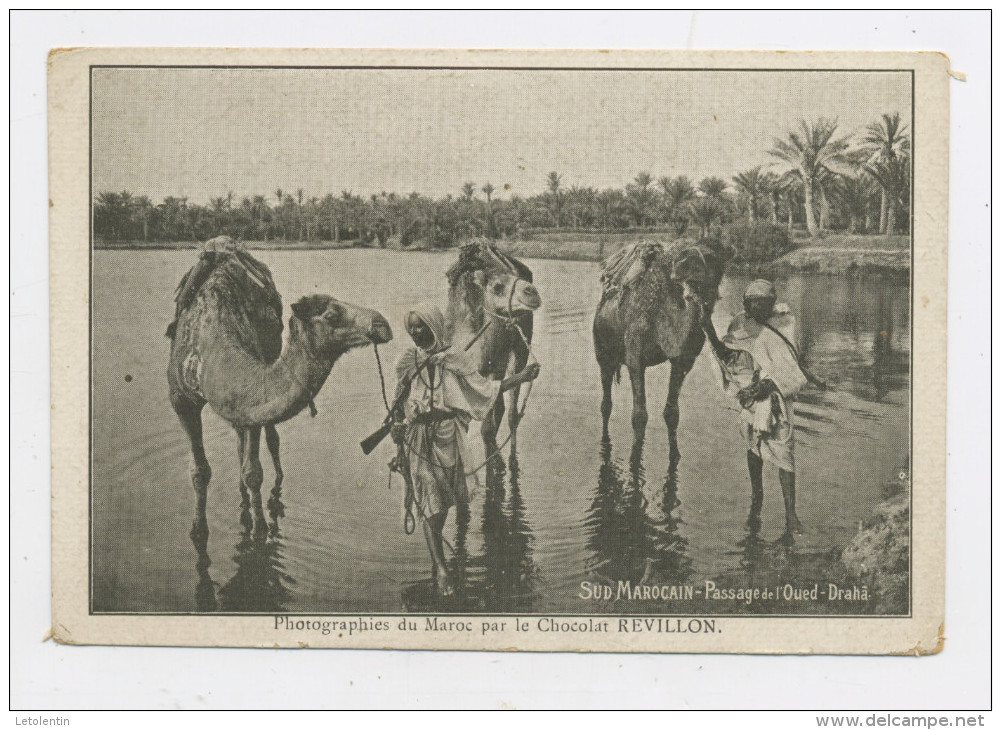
{"points": [[200, 133]]}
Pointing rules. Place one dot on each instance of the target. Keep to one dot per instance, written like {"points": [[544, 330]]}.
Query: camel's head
{"points": [[500, 283], [333, 327], [703, 266], [505, 293]]}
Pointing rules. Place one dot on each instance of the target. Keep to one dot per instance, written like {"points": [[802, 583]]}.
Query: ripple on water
{"points": [[564, 511]]}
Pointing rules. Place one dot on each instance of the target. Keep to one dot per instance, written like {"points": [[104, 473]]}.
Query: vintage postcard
{"points": [[542, 351]]}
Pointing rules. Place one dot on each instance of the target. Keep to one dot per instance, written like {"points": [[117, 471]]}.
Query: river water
{"points": [[561, 510]]}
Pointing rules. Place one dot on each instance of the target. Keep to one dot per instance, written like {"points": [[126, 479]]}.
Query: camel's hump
{"points": [[237, 281]]}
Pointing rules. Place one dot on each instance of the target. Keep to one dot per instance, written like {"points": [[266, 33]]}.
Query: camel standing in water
{"points": [[226, 350], [486, 285], [656, 316]]}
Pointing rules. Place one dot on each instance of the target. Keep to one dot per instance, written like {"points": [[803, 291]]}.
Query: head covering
{"points": [[430, 315], [760, 289]]}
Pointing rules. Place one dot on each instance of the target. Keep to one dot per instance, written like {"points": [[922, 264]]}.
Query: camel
{"points": [[653, 315], [486, 288], [226, 350]]}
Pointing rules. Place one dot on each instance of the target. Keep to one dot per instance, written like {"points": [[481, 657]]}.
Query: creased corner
{"points": [[919, 650], [54, 52], [61, 635]]}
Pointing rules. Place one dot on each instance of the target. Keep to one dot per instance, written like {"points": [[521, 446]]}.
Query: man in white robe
{"points": [[442, 391], [760, 369]]}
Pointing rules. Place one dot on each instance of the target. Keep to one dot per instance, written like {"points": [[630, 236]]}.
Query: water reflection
{"points": [[848, 446], [261, 583], [855, 333], [502, 577], [632, 538]]}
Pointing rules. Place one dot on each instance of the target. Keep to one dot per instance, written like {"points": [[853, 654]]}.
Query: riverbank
{"points": [[847, 254], [274, 245], [829, 254], [879, 555]]}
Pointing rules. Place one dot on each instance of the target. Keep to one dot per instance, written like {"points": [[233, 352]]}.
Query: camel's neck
{"points": [[257, 393], [465, 317]]}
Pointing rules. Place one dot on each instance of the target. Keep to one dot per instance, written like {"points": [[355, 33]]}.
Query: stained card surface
{"points": [[573, 351]]}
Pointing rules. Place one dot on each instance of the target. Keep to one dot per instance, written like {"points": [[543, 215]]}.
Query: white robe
{"points": [[437, 450], [768, 425]]}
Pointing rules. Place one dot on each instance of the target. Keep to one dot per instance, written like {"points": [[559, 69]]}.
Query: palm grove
{"points": [[815, 180]]}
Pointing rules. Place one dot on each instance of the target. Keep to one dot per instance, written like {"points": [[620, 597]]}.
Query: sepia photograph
{"points": [[639, 340]]}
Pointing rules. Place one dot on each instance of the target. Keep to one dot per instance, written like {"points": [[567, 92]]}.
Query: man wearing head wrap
{"points": [[446, 392], [760, 369]]}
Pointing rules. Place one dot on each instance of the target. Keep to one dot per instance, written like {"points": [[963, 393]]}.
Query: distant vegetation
{"points": [[815, 180]]}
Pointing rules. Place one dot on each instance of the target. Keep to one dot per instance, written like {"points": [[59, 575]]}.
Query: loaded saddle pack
{"points": [[625, 267]]}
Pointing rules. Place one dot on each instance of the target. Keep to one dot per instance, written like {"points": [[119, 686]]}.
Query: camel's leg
{"points": [[246, 519], [252, 473], [519, 359], [190, 416], [607, 376], [637, 375], [491, 424], [274, 448], [672, 413], [512, 418], [275, 508]]}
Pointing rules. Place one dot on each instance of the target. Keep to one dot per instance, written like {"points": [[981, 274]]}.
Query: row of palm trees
{"points": [[818, 180]]}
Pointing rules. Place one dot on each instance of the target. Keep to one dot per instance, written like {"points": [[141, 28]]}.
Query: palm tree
{"points": [[580, 206], [260, 212], [714, 188], [298, 216], [706, 212], [638, 193], [893, 177], [609, 205], [144, 210], [110, 216], [312, 218], [279, 212], [680, 194], [884, 142], [811, 151], [771, 184], [217, 215], [664, 208], [329, 210], [348, 210], [853, 195], [788, 190], [468, 190], [753, 186], [553, 180], [171, 214], [491, 229]]}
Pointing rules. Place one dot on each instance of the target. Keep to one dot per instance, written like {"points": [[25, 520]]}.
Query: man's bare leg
{"points": [[754, 470], [788, 481], [433, 527]]}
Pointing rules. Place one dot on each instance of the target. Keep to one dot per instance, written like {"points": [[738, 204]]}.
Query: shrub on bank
{"points": [[756, 243]]}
